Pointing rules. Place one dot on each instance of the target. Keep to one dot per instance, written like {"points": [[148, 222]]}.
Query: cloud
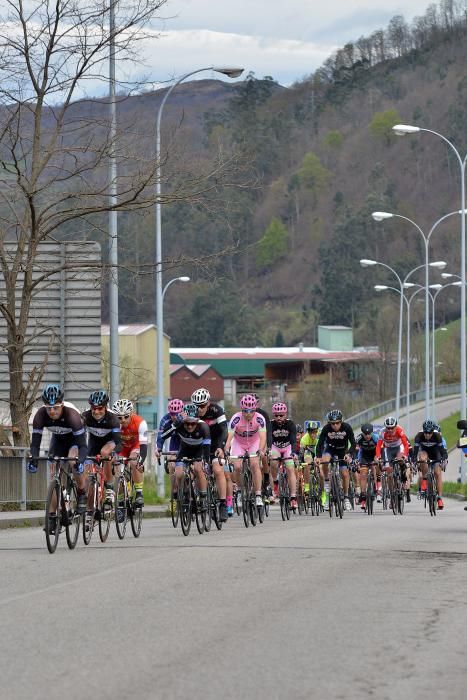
{"points": [[286, 60]]}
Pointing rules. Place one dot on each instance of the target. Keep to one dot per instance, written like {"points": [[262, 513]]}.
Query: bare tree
{"points": [[54, 150]]}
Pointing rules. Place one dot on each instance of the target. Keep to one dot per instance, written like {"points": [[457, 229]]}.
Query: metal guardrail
{"points": [[388, 407]]}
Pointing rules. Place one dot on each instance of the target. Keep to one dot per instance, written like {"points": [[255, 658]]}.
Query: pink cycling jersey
{"points": [[246, 432]]}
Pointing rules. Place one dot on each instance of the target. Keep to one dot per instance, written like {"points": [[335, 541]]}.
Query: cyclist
{"points": [[392, 445], [366, 446], [307, 451], [213, 415], [134, 434], [247, 433], [103, 429], [165, 432], [64, 422], [428, 445], [284, 439], [336, 441], [195, 443]]}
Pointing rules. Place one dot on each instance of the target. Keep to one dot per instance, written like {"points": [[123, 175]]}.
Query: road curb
{"points": [[38, 521]]}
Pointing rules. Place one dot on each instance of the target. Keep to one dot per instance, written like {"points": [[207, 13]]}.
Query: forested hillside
{"points": [[309, 164]]}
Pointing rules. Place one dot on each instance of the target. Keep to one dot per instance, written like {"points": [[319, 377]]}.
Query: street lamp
{"points": [[175, 279], [401, 130], [230, 72], [381, 216]]}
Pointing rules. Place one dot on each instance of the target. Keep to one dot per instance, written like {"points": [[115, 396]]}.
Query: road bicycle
{"points": [[251, 512], [302, 497], [97, 509], [398, 488], [336, 491], [284, 490], [213, 502], [314, 494], [431, 492], [125, 495], [370, 494], [189, 504], [61, 506]]}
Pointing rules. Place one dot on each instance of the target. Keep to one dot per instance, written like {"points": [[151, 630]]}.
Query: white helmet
{"points": [[123, 407], [200, 396]]}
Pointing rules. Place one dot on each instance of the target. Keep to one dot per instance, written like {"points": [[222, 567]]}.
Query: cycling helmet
{"points": [[248, 401], [334, 415], [191, 411], [279, 407], [52, 395], [123, 407], [299, 428], [311, 425], [366, 428], [390, 422], [429, 426], [200, 396], [99, 398], [175, 406]]}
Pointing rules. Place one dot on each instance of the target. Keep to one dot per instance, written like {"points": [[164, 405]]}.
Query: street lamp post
{"points": [[383, 215], [175, 279], [231, 73], [401, 130]]}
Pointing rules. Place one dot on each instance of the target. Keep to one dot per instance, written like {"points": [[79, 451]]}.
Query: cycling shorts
{"points": [[239, 447], [282, 452]]}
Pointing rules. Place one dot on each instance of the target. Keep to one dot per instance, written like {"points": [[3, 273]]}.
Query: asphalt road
{"points": [[366, 607]]}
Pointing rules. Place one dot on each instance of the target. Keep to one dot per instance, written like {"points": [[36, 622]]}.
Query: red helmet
{"points": [[279, 407], [249, 401], [175, 406]]}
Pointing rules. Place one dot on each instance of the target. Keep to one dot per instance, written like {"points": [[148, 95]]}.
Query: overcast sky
{"points": [[286, 39]]}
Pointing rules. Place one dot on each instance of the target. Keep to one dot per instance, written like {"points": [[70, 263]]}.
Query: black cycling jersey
{"points": [[102, 431], [367, 446], [284, 434], [68, 430], [195, 444], [433, 446], [336, 442], [217, 422]]}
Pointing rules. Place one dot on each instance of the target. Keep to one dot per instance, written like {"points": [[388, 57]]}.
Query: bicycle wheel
{"points": [[105, 516], [210, 506], [337, 496], [245, 501], [185, 504], [89, 515], [136, 515], [431, 494], [370, 495], [260, 512], [121, 507], [252, 507], [400, 499], [216, 506], [52, 523], [174, 510], [73, 517], [238, 501]]}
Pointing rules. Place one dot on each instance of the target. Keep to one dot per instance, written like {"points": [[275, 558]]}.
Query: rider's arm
{"points": [[321, 441], [206, 441], [351, 439]]}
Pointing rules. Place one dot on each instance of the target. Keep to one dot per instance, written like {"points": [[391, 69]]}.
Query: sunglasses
{"points": [[335, 422], [123, 417], [202, 405], [97, 408], [190, 422], [280, 415], [54, 408], [248, 410]]}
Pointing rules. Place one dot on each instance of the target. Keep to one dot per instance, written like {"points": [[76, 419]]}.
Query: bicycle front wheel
{"points": [[73, 517], [52, 522], [185, 504], [104, 523], [431, 494], [89, 515], [121, 509], [136, 517]]}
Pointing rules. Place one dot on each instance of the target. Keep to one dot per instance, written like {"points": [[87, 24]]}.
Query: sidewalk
{"points": [[35, 518]]}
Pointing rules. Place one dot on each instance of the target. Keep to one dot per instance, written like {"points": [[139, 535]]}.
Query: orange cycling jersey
{"points": [[134, 434]]}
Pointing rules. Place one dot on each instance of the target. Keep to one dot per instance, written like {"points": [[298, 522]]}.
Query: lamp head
{"points": [[184, 279], [381, 215], [435, 286], [367, 263], [446, 275], [380, 287], [408, 285], [403, 129], [438, 264], [229, 72]]}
